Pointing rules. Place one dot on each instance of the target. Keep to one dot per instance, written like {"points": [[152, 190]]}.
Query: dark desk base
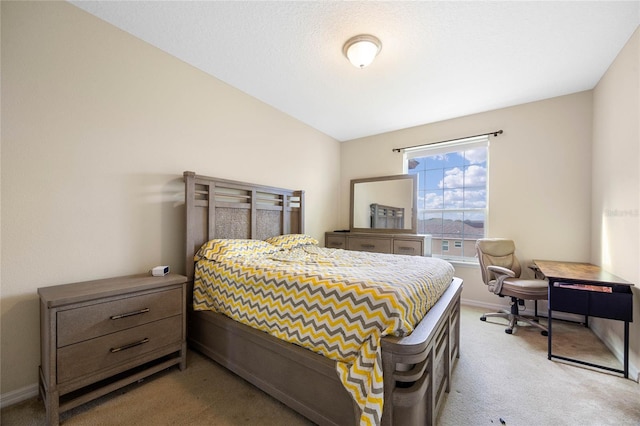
{"points": [[625, 372], [617, 305]]}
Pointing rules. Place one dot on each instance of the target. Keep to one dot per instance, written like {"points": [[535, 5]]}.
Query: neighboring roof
{"points": [[452, 229]]}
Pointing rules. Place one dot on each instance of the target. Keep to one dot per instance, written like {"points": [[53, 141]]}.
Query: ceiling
{"points": [[439, 60]]}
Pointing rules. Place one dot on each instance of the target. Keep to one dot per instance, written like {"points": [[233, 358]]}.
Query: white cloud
{"points": [[455, 198], [476, 156], [455, 178], [476, 199], [432, 201], [476, 176]]}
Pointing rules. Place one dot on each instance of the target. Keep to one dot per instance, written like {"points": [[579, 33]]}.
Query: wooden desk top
{"points": [[575, 271]]}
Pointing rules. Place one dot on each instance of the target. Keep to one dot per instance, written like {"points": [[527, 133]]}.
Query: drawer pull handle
{"points": [[130, 314], [369, 246], [406, 248], [130, 345]]}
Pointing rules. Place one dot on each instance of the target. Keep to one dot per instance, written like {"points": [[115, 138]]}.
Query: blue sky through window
{"points": [[456, 180], [452, 194]]}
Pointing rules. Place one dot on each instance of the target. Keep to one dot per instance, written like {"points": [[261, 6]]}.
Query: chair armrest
{"points": [[499, 270]]}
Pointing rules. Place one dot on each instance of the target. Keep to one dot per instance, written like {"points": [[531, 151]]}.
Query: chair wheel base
{"points": [[544, 333], [483, 318], [508, 331]]}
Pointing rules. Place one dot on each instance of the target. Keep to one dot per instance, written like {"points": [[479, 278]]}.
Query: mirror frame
{"points": [[414, 209]]}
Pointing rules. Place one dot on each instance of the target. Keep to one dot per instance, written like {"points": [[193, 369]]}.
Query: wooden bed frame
{"points": [[417, 368]]}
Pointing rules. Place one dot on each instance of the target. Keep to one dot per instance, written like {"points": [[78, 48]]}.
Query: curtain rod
{"points": [[495, 133]]}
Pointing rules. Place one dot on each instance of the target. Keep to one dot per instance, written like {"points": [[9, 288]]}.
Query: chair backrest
{"points": [[498, 252]]}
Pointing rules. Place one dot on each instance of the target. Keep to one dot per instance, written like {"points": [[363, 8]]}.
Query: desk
{"points": [[586, 289]]}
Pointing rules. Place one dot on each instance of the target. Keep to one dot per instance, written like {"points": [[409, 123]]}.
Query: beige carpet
{"points": [[498, 376], [508, 377]]}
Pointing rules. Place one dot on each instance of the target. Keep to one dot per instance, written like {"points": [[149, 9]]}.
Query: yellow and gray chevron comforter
{"points": [[337, 303]]}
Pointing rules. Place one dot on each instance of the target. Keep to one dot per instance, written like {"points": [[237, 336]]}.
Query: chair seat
{"points": [[505, 281], [525, 289]]}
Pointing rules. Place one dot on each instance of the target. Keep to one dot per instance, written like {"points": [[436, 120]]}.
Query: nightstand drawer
{"points": [[88, 322], [378, 245], [413, 248], [91, 356]]}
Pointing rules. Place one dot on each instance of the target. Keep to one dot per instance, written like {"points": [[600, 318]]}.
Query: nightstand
{"points": [[98, 336]]}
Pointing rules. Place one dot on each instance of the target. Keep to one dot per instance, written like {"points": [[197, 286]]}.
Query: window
{"points": [[452, 195]]}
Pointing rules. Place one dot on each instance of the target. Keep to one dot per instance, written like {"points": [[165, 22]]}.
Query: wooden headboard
{"points": [[218, 208]]}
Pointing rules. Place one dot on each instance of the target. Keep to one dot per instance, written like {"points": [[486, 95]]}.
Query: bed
{"points": [[415, 368]]}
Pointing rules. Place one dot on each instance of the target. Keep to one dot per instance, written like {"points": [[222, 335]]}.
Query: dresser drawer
{"points": [[333, 241], [377, 245], [94, 355], [88, 322], [409, 247]]}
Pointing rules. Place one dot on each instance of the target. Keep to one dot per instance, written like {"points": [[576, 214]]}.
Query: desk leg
{"points": [[549, 320], [626, 349]]}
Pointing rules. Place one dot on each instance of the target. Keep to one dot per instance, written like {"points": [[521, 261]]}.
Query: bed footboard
{"points": [[417, 368]]}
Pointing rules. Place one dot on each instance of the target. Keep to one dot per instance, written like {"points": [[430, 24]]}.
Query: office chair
{"points": [[501, 273]]}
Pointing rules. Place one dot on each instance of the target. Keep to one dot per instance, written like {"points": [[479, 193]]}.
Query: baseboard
{"points": [[18, 395], [542, 309]]}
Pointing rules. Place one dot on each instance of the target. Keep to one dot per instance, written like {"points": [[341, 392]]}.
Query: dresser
{"points": [[409, 244], [98, 336]]}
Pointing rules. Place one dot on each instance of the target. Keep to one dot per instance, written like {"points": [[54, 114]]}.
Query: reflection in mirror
{"points": [[386, 203]]}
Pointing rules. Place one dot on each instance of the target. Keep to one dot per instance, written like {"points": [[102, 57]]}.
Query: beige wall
{"points": [[539, 178], [615, 207], [564, 180], [97, 128]]}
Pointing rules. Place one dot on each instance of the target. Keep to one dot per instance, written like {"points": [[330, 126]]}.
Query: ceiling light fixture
{"points": [[362, 49]]}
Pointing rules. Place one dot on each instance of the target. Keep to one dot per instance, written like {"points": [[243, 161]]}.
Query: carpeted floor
{"points": [[498, 378], [508, 377]]}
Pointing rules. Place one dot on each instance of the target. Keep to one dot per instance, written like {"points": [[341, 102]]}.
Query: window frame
{"points": [[448, 147]]}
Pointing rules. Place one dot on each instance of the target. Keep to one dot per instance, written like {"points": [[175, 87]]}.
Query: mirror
{"points": [[384, 204]]}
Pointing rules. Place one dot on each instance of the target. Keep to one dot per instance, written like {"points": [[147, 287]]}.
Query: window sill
{"points": [[464, 263]]}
